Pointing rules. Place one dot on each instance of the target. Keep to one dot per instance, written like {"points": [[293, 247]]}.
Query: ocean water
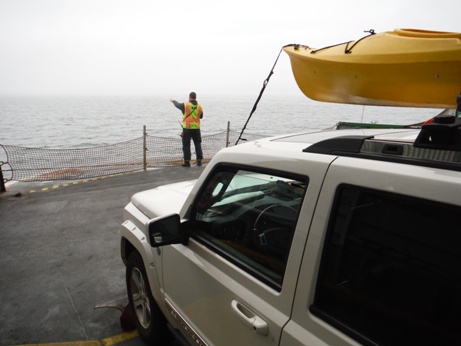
{"points": [[76, 122]]}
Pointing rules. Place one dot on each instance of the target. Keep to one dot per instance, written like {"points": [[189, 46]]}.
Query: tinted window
{"points": [[391, 269], [249, 217]]}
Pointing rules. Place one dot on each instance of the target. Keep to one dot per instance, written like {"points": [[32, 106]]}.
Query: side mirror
{"points": [[166, 230]]}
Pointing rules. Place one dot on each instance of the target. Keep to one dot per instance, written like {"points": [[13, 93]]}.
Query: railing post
{"points": [[2, 182], [227, 136], [144, 146]]}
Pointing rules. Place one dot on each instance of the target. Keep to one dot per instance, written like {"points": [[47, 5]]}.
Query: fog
{"points": [[147, 47]]}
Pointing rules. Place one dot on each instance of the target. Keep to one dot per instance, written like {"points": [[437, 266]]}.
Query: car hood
{"points": [[163, 200]]}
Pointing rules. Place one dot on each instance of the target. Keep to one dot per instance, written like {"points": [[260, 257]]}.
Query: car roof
{"points": [[297, 142], [307, 138], [394, 145]]}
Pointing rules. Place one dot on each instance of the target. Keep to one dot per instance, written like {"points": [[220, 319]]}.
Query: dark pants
{"points": [[197, 138]]}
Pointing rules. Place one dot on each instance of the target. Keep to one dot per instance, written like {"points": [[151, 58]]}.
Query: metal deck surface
{"points": [[60, 258]]}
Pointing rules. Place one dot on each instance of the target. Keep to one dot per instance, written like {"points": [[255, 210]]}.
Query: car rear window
{"points": [[391, 269]]}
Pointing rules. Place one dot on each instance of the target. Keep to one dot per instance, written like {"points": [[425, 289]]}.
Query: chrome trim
{"points": [[184, 325]]}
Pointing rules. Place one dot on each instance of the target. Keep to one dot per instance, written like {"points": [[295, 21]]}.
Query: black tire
{"points": [[149, 320]]}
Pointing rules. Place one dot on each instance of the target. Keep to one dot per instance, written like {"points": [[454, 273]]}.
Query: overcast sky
{"points": [[163, 47]]}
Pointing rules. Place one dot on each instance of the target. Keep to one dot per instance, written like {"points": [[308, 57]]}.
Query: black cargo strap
{"points": [[260, 94]]}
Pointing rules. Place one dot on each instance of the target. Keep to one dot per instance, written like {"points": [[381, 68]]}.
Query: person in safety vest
{"points": [[192, 113]]}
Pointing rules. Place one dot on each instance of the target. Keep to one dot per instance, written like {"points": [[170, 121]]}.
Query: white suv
{"points": [[338, 237]]}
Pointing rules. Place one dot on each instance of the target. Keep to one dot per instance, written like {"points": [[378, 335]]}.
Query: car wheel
{"points": [[149, 320]]}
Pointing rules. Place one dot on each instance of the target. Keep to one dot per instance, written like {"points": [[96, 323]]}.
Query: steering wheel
{"points": [[261, 235]]}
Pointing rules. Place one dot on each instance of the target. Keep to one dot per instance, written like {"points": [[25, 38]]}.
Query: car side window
{"points": [[249, 217], [391, 269]]}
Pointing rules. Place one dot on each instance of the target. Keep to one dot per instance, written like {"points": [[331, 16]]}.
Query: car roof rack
{"points": [[439, 145], [443, 133]]}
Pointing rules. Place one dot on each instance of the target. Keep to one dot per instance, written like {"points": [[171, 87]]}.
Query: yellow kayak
{"points": [[404, 67]]}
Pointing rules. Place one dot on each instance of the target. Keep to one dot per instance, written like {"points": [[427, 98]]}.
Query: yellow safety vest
{"points": [[191, 116]]}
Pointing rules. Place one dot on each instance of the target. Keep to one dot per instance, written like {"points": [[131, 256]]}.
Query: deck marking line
{"points": [[116, 339], [70, 343], [112, 340]]}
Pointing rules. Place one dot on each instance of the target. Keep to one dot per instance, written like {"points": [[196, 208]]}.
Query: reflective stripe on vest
{"points": [[191, 116]]}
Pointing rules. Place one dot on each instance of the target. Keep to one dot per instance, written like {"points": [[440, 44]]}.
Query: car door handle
{"points": [[249, 318]]}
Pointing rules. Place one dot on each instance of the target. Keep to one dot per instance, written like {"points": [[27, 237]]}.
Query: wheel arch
{"points": [[132, 239]]}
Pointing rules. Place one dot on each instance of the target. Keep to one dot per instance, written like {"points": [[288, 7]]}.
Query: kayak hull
{"points": [[405, 68]]}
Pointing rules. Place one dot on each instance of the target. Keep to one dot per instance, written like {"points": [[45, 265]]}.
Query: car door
{"points": [[233, 283], [383, 266]]}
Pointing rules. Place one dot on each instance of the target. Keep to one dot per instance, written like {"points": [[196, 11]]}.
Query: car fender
{"points": [[130, 233]]}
